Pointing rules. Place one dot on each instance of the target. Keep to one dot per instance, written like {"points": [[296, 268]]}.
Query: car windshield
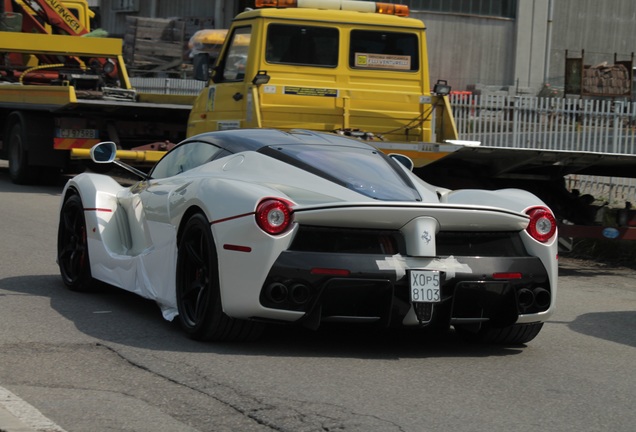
{"points": [[362, 170]]}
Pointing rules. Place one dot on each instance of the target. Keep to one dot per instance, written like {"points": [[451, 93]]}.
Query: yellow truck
{"points": [[358, 68], [61, 88]]}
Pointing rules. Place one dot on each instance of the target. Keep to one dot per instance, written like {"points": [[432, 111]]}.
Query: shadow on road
{"points": [[7, 186], [114, 315], [615, 326]]}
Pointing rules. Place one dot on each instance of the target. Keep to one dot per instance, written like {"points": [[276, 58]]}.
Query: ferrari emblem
{"points": [[426, 237]]}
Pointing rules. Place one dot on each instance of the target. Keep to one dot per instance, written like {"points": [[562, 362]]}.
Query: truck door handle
{"points": [[237, 96]]}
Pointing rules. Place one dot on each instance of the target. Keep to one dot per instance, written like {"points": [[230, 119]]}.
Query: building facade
{"points": [[516, 46], [520, 45]]}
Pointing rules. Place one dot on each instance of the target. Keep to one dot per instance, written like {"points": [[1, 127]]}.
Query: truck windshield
{"points": [[364, 171], [383, 50], [303, 45]]}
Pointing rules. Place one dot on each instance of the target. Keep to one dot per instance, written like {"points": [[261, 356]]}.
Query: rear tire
{"points": [[517, 334], [198, 291], [72, 246]]}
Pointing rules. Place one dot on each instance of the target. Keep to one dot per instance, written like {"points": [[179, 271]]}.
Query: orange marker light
{"points": [[392, 9], [402, 10], [360, 6], [275, 3]]}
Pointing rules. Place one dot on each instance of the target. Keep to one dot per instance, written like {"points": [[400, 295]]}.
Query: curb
{"points": [[10, 423]]}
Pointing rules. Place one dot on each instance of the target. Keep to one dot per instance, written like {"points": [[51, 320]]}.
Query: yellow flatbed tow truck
{"points": [[61, 89]]}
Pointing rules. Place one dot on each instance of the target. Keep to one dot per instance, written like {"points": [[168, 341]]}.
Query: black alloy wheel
{"points": [[198, 292], [72, 246]]}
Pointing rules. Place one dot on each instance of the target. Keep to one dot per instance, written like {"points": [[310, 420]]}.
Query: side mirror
{"points": [[201, 67], [104, 152], [404, 160]]}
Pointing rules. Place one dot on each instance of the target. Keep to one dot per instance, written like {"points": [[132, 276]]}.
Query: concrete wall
{"points": [[601, 28], [532, 27], [525, 53], [468, 50], [490, 53]]}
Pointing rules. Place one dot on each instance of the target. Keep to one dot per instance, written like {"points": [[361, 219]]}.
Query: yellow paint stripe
{"points": [[18, 93], [69, 143]]}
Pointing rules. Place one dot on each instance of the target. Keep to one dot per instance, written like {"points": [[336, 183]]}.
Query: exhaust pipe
{"points": [[276, 292], [300, 294], [525, 298], [542, 298]]}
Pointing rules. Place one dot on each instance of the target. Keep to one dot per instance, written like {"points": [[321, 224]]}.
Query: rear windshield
{"points": [[318, 46], [302, 45], [383, 50], [368, 172]]}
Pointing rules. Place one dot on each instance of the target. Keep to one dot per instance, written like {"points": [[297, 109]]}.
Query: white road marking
{"points": [[25, 413]]}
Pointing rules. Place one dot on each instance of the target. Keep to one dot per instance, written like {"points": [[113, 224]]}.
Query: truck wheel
{"points": [[198, 293], [72, 246], [516, 334], [19, 169]]}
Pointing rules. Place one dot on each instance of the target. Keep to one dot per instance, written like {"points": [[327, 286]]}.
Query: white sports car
{"points": [[233, 229]]}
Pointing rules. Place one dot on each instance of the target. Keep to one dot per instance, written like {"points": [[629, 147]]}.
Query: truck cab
{"points": [[357, 72]]}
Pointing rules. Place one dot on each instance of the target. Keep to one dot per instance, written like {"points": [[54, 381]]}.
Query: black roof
{"points": [[238, 140]]}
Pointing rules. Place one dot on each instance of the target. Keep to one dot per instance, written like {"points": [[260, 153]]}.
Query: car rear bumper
{"points": [[374, 289]]}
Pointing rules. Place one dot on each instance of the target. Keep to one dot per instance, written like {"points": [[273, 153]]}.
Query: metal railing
{"points": [[598, 126]]}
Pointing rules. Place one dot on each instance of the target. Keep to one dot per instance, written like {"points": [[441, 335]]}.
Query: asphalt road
{"points": [[107, 361]]}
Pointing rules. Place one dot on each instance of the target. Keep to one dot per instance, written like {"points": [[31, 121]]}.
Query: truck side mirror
{"points": [[201, 66], [261, 78]]}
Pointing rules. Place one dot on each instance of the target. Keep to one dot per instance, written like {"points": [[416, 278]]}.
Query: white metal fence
{"points": [[599, 126]]}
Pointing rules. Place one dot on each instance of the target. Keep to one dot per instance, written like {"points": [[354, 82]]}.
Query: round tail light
{"points": [[273, 216], [542, 226]]}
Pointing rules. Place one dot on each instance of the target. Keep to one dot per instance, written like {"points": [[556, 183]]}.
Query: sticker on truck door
{"points": [[228, 124], [310, 91]]}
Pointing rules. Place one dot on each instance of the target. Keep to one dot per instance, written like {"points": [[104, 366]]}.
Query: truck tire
{"points": [[19, 169]]}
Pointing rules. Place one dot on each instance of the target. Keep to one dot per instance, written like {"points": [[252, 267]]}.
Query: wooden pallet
{"points": [[159, 44]]}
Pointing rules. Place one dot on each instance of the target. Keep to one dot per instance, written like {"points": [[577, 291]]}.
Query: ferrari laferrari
{"points": [[235, 230]]}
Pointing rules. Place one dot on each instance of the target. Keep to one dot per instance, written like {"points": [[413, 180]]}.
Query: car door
{"points": [[161, 191], [156, 204]]}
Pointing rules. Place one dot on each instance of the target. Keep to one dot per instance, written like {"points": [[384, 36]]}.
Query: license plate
{"points": [[78, 133], [425, 286]]}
